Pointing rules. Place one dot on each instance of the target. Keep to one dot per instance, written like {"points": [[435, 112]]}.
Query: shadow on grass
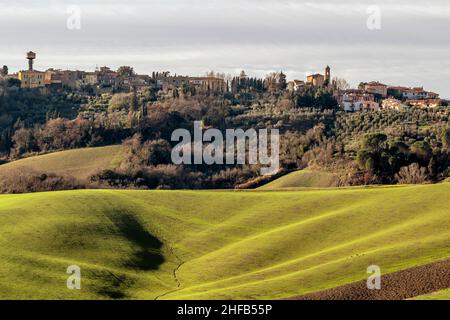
{"points": [[117, 285], [146, 257]]}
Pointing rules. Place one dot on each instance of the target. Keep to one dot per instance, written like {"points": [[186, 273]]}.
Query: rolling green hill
{"points": [[303, 179], [440, 295], [79, 163], [215, 244]]}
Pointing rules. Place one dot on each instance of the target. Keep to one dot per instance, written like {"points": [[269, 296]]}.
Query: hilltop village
{"points": [[369, 96], [372, 134]]}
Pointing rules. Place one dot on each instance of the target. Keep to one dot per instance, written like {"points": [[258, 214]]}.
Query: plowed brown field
{"points": [[395, 286]]}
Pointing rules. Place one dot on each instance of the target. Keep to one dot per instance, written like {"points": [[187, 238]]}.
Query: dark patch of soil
{"points": [[400, 285]]}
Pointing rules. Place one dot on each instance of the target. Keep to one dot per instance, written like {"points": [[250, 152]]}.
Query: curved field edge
{"points": [[215, 244], [79, 163], [439, 295]]}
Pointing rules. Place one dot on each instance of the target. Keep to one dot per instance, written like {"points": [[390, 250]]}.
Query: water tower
{"points": [[31, 56]]}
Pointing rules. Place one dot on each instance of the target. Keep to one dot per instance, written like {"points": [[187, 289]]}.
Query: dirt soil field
{"points": [[400, 285]]}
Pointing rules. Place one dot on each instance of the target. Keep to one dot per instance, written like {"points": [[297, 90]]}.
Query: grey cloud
{"points": [[192, 36]]}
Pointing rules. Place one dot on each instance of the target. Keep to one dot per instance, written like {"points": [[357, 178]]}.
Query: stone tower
{"points": [[327, 75]]}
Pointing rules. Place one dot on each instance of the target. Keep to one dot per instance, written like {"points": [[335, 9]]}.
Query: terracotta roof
{"points": [[316, 75], [376, 83]]}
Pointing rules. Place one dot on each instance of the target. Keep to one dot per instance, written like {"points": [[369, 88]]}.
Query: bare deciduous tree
{"points": [[412, 174], [341, 84]]}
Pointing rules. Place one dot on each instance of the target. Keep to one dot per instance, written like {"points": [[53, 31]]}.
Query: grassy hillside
{"points": [[441, 295], [80, 163], [303, 179], [215, 244]]}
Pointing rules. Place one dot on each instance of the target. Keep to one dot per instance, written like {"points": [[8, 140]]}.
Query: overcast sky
{"points": [[412, 47]]}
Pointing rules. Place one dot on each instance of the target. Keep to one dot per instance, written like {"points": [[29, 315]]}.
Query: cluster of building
{"points": [[356, 100], [374, 96], [106, 80], [314, 80], [371, 96], [201, 84]]}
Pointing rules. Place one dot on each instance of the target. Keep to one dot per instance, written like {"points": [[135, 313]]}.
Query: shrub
{"points": [[25, 180], [412, 174]]}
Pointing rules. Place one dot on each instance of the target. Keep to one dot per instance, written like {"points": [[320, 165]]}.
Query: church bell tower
{"points": [[328, 75]]}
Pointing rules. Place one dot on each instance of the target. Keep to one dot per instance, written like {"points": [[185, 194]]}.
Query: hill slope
{"points": [[215, 244], [440, 295], [303, 179], [79, 163]]}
